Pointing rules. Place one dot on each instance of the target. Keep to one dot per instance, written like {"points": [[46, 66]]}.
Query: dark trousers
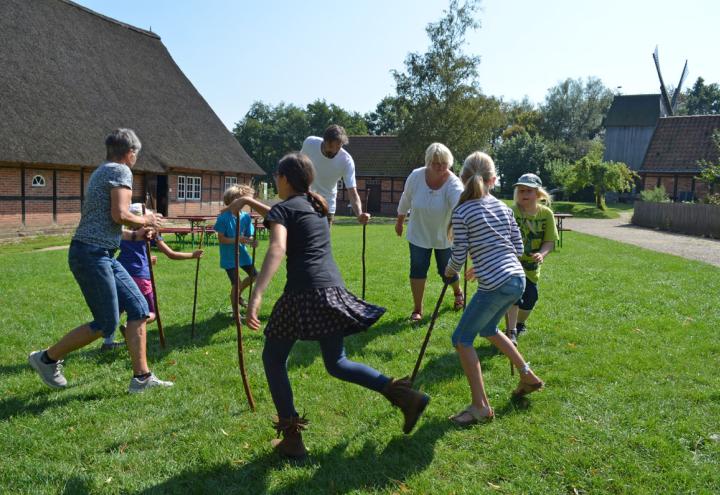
{"points": [[275, 355]]}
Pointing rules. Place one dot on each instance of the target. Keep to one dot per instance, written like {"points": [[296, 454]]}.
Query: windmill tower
{"points": [[670, 104]]}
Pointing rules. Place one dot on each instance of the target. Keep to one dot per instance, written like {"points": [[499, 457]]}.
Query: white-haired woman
{"points": [[431, 192]]}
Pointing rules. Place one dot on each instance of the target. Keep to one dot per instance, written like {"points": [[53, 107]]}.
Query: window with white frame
{"points": [[230, 181], [189, 187], [38, 181]]}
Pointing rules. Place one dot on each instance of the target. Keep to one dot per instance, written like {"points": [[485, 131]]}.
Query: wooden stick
{"points": [[367, 193], [465, 295], [427, 335], [154, 289], [197, 272], [236, 314], [507, 333], [253, 256]]}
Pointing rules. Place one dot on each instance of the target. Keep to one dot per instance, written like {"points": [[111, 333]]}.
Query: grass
{"points": [[588, 210], [625, 339]]}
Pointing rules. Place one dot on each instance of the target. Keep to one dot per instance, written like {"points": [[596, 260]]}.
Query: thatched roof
{"points": [[378, 156], [68, 76], [680, 142]]}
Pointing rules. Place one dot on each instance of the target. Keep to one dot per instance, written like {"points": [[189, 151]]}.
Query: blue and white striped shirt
{"points": [[487, 228]]}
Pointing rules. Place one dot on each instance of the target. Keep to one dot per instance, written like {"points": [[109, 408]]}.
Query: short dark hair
{"points": [[119, 142], [336, 133]]}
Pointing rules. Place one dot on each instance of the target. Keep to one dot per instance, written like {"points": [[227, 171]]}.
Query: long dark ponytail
{"points": [[298, 169]]}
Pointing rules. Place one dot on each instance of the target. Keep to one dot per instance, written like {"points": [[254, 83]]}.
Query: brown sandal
{"points": [[459, 302], [471, 415], [524, 389]]}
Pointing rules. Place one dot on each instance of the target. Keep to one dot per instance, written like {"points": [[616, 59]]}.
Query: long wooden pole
{"points": [[253, 255], [367, 193], [427, 335], [236, 314], [197, 272], [154, 289]]}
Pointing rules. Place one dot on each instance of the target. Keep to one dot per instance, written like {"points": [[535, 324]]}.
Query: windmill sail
{"points": [[679, 87], [663, 90]]}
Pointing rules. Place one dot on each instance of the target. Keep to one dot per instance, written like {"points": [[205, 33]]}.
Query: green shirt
{"points": [[535, 229]]}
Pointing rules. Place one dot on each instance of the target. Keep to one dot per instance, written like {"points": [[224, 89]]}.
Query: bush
{"points": [[657, 195], [712, 199]]}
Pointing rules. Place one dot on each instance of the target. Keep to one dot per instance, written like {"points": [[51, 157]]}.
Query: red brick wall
{"points": [[10, 215], [212, 189]]}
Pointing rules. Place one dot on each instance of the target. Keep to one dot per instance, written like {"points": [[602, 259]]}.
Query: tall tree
{"points": [[518, 155], [574, 110], [320, 115], [709, 171], [702, 99], [388, 118], [441, 91]]}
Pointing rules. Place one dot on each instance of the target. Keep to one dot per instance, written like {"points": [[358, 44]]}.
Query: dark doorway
{"points": [[162, 194], [373, 192]]}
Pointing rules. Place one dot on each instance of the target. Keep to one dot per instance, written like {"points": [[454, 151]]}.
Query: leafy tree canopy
{"points": [[701, 99]]}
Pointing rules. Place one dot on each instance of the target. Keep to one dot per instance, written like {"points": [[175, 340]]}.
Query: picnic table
{"points": [[197, 223], [559, 217]]}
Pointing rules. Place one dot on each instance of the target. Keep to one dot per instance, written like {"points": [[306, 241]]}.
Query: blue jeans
{"points": [[420, 262], [485, 310], [275, 355], [106, 286]]}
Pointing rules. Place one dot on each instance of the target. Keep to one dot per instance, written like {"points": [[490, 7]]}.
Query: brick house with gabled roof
{"points": [[677, 145], [69, 76], [380, 171]]}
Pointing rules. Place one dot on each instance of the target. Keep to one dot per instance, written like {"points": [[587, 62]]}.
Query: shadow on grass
{"points": [[39, 402], [333, 471], [447, 367]]}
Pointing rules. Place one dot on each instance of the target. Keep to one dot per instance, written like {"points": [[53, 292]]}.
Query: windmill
{"points": [[670, 105]]}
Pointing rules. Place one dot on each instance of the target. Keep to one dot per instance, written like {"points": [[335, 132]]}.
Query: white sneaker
{"points": [[139, 386], [50, 374]]}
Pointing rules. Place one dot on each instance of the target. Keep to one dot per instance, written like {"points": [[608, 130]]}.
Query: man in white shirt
{"points": [[332, 163]]}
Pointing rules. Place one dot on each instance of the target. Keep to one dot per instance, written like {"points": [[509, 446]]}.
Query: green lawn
{"points": [[588, 210], [625, 338]]}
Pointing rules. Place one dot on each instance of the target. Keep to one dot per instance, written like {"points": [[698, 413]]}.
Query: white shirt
{"points": [[328, 171], [431, 209]]}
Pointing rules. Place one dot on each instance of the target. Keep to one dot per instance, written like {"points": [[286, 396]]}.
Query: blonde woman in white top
{"points": [[431, 192]]}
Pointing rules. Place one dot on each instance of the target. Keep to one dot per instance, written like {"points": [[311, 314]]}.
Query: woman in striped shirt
{"points": [[485, 227]]}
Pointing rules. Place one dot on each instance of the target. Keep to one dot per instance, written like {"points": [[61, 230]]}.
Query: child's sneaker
{"points": [[520, 328], [51, 373], [111, 346], [138, 386]]}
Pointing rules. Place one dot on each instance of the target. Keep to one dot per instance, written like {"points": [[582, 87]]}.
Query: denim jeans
{"points": [[275, 355], [106, 286], [486, 309], [420, 262]]}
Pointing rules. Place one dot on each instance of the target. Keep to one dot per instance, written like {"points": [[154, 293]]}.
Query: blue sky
{"points": [[236, 52]]}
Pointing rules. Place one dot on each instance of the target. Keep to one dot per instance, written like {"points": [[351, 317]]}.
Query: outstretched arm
{"points": [[356, 204], [175, 255], [271, 263], [253, 203]]}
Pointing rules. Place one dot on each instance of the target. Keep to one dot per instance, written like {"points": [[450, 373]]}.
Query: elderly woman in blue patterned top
{"points": [[104, 283], [431, 192]]}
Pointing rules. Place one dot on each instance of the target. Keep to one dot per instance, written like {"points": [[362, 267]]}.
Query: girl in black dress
{"points": [[314, 305]]}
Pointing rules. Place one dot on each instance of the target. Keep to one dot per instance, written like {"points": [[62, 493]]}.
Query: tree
{"points": [[519, 155], [440, 90], [574, 111], [389, 117], [521, 116], [710, 172], [604, 177], [320, 115], [702, 99]]}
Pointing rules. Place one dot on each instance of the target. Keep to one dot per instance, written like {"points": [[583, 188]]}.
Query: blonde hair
{"points": [[478, 169], [439, 151], [542, 195], [237, 191]]}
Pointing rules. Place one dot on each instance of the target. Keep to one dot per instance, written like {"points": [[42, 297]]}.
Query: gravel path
{"points": [[620, 229]]}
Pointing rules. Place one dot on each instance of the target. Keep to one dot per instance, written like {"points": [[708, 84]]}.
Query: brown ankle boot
{"points": [[291, 444], [411, 402]]}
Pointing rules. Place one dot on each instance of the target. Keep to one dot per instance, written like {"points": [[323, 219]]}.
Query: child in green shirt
{"points": [[539, 233]]}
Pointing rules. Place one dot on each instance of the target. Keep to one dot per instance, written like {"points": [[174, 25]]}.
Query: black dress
{"points": [[315, 303]]}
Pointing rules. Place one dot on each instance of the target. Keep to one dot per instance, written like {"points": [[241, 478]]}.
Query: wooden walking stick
{"points": [[154, 289], [367, 192], [236, 314], [465, 285], [427, 335], [253, 255], [197, 272], [509, 335]]}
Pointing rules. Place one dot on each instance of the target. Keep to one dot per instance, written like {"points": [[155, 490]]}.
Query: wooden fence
{"points": [[693, 219]]}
